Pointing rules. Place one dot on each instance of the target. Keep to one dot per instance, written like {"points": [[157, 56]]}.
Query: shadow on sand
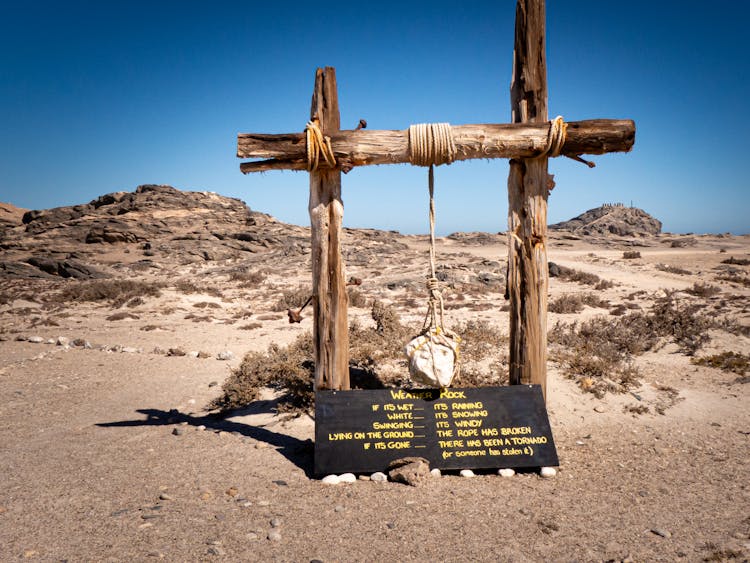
{"points": [[299, 452]]}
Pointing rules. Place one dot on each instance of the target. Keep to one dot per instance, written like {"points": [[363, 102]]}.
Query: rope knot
{"points": [[318, 144], [433, 285]]}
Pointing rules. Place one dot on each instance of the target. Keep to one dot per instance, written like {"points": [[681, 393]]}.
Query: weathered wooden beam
{"points": [[364, 147], [528, 187], [330, 300]]}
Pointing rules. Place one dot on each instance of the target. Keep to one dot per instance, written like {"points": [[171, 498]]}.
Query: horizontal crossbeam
{"points": [[362, 147]]}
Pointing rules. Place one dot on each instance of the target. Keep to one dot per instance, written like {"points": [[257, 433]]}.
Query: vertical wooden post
{"points": [[330, 300], [527, 209]]}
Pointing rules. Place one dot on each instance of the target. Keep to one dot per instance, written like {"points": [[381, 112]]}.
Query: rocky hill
{"points": [[10, 215], [154, 227], [612, 218]]}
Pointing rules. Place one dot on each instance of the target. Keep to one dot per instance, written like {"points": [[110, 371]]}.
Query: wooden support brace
{"points": [[362, 147], [330, 300]]}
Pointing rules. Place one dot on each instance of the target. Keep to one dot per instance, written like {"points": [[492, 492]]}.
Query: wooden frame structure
{"points": [[524, 142]]}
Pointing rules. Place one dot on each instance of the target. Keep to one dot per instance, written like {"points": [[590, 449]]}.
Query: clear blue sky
{"points": [[97, 97]]}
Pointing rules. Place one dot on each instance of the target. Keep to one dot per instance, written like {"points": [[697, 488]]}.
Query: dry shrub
{"points": [[736, 261], [292, 299], [188, 287], [373, 351], [732, 326], [251, 326], [43, 321], [703, 290], [574, 302], [635, 409], [135, 302], [683, 322], [672, 269], [199, 318], [735, 278], [631, 254], [484, 356], [598, 353], [115, 292], [376, 360], [288, 368], [207, 305], [356, 298], [579, 276], [122, 315], [248, 278], [736, 362]]}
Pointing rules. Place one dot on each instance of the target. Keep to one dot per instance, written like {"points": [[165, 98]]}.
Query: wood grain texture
{"points": [[330, 300], [527, 205], [366, 147]]}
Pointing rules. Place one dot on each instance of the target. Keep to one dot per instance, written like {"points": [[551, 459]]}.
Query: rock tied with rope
{"points": [[434, 354]]}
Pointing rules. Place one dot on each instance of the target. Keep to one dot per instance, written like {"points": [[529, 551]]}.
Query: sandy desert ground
{"points": [[108, 452]]}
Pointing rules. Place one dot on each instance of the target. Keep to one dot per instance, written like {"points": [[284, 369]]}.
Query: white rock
{"points": [[348, 478], [50, 341], [600, 409], [435, 472], [224, 355], [63, 341], [130, 350], [379, 477], [466, 473], [192, 354], [506, 472], [548, 472], [36, 339], [331, 480]]}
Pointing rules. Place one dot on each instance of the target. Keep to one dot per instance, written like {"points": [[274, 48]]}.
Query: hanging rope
{"points": [[435, 293], [318, 144], [434, 354]]}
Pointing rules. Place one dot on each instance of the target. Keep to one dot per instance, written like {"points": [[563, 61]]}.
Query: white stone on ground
{"points": [[548, 472], [225, 355], [466, 473], [435, 472], [506, 472], [348, 478], [36, 339], [331, 480], [379, 477]]}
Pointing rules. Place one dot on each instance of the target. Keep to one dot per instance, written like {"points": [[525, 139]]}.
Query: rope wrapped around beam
{"points": [[317, 145], [431, 143]]}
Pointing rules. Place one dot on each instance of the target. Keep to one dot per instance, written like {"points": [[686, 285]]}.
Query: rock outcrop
{"points": [[612, 219], [155, 227]]}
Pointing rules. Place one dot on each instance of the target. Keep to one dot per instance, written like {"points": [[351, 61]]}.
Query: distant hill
{"points": [[612, 218], [154, 227]]}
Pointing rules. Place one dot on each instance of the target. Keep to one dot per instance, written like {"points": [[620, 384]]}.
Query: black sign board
{"points": [[478, 428]]}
